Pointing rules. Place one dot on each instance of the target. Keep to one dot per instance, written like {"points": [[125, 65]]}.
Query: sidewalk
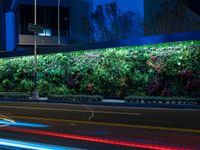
{"points": [[113, 103]]}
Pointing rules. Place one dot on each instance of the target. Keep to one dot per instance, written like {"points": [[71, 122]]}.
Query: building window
{"points": [[46, 17], [46, 32]]}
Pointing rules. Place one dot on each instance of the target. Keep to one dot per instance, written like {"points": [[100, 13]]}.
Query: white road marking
{"points": [[90, 110], [73, 110], [92, 114]]}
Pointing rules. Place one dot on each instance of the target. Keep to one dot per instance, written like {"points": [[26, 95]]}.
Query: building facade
{"points": [[15, 15]]}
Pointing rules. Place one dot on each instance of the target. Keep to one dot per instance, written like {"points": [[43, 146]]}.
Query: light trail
{"points": [[111, 124], [6, 120], [30, 145], [22, 124], [94, 139]]}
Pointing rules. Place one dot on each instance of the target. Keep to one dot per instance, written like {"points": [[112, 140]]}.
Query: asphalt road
{"points": [[97, 127]]}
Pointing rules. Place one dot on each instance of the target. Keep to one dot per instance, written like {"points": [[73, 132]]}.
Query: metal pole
{"points": [[58, 22], [35, 93]]}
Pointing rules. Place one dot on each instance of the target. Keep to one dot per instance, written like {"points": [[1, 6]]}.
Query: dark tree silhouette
{"points": [[108, 22]]}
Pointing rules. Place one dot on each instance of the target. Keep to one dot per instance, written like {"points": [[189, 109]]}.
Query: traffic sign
{"points": [[35, 28]]}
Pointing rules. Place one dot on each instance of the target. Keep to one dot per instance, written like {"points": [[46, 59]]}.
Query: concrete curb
{"points": [[111, 102]]}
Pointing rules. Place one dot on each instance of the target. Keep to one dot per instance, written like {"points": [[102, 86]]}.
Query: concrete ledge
{"points": [[113, 103]]}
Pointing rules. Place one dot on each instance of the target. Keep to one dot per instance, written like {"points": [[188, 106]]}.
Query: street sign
{"points": [[35, 28]]}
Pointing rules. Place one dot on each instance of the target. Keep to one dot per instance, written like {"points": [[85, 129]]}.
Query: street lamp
{"points": [[35, 92], [58, 22]]}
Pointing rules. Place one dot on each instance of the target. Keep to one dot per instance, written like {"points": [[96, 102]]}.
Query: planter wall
{"points": [[170, 69]]}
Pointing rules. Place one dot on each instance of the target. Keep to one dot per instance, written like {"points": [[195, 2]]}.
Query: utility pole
{"points": [[35, 92], [59, 22]]}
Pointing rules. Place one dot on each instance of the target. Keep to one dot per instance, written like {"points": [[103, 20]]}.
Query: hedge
{"points": [[170, 69], [14, 96], [76, 98], [162, 100]]}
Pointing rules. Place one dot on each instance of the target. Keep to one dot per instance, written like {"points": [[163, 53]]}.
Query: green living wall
{"points": [[170, 69]]}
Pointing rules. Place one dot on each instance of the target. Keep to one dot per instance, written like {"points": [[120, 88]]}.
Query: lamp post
{"points": [[35, 92], [58, 22]]}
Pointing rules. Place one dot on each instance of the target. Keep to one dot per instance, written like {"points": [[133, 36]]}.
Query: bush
{"points": [[7, 84], [170, 69], [26, 85], [14, 96], [77, 98], [166, 100], [59, 90]]}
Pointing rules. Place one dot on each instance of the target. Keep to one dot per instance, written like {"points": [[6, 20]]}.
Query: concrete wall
{"points": [[41, 40]]}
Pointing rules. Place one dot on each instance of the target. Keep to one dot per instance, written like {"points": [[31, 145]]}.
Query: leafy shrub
{"points": [[14, 96], [76, 98], [7, 84], [170, 69], [26, 85], [59, 90], [44, 87], [193, 86], [159, 99], [155, 87]]}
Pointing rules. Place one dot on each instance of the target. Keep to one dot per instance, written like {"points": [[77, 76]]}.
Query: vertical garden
{"points": [[170, 69]]}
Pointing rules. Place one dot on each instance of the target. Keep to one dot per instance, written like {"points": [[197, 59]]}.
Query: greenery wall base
{"points": [[161, 100], [170, 69]]}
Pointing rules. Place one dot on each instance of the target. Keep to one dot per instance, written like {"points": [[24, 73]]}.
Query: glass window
{"points": [[47, 17]]}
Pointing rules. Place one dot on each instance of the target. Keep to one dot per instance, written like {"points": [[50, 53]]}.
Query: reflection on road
{"points": [[15, 144], [94, 139], [44, 126], [7, 121], [5, 143]]}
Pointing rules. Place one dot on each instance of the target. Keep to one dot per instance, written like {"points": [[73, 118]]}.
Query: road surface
{"points": [[67, 126]]}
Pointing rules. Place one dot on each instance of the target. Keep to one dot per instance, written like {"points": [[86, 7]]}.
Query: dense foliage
{"points": [[171, 69]]}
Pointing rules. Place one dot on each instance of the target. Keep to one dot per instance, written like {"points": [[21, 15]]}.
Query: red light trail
{"points": [[94, 139]]}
